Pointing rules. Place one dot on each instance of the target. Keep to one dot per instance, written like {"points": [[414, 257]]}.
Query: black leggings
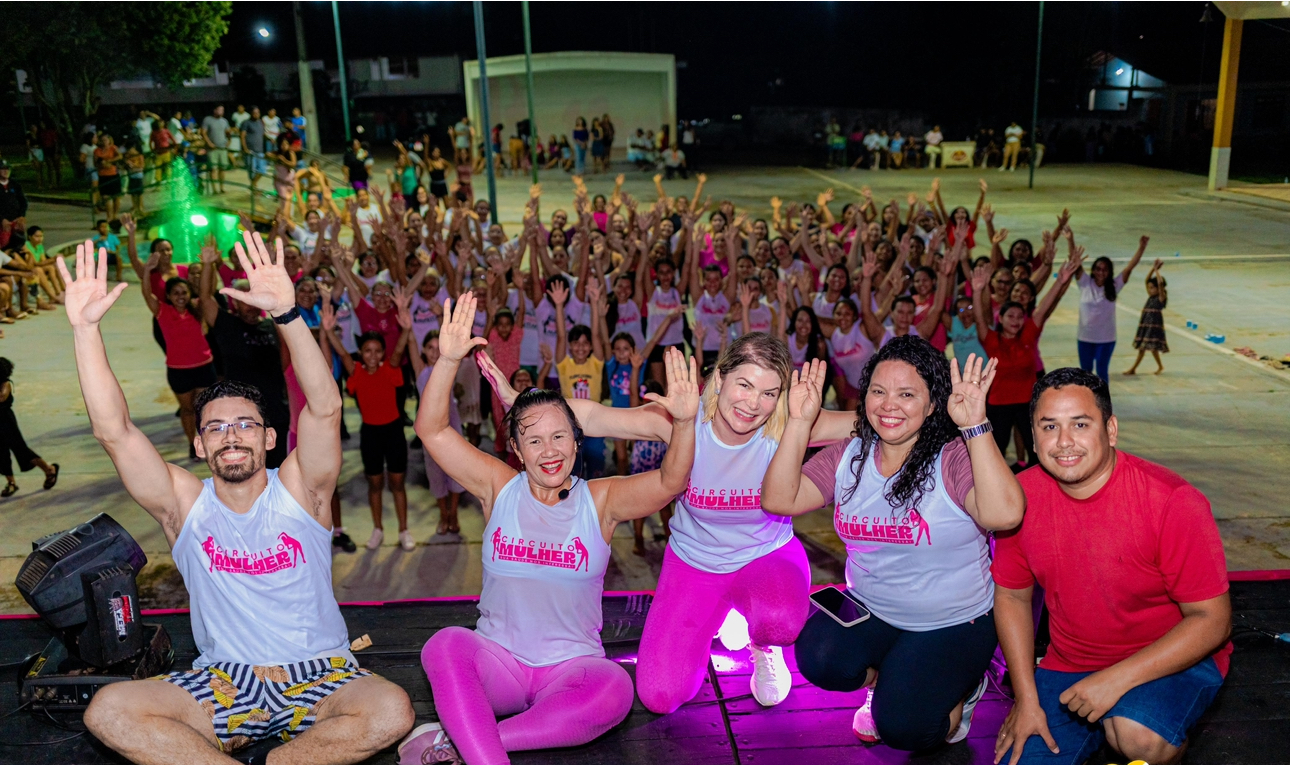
{"points": [[1003, 417], [922, 676]]}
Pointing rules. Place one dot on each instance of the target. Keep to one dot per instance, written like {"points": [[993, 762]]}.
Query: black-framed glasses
{"points": [[220, 428]]}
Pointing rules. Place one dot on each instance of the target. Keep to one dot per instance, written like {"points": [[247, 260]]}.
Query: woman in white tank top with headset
{"points": [[536, 652], [725, 552]]}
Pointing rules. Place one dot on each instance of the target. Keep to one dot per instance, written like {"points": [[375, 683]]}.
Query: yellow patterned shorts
{"points": [[247, 703]]}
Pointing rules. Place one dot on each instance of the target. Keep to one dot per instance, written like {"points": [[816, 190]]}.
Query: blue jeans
{"points": [[1168, 706], [579, 159], [1096, 357]]}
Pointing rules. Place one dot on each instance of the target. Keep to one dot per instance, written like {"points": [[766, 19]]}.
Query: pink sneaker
{"points": [[427, 744]]}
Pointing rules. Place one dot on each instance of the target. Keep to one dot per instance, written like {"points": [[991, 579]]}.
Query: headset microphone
{"points": [[563, 494]]}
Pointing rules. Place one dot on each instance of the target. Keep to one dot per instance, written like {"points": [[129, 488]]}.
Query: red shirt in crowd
{"points": [[1115, 566], [377, 392], [372, 320], [186, 346], [1014, 377]]}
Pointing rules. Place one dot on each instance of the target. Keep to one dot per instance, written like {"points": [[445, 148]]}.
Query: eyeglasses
{"points": [[220, 428]]}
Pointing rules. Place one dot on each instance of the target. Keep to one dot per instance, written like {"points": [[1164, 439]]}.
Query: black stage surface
{"points": [[1250, 722]]}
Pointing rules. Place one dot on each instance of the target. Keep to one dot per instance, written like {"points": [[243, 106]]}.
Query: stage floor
{"points": [[723, 725]]}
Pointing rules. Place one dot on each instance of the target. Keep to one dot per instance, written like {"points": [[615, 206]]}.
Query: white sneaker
{"points": [[427, 744], [406, 541], [771, 680], [374, 541], [968, 706], [862, 724]]}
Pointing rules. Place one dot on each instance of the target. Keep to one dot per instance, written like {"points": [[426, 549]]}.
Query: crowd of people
{"points": [[669, 355]]}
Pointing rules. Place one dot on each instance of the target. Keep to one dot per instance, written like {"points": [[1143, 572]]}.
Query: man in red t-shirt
{"points": [[1135, 582]]}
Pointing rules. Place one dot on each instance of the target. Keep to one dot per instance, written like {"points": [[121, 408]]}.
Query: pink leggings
{"points": [[475, 680], [690, 605]]}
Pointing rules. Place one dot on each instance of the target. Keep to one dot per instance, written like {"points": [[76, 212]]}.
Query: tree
{"points": [[70, 50]]}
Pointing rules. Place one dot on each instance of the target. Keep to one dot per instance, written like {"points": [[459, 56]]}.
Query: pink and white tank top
{"points": [[629, 321], [719, 525], [544, 574], [709, 310], [850, 351], [798, 354], [917, 568], [259, 583], [660, 304]]}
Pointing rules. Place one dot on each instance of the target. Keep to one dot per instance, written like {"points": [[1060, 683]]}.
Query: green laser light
{"points": [[198, 219]]}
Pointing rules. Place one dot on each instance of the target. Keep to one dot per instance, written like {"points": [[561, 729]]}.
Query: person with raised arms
{"points": [[725, 552], [535, 655], [917, 491], [254, 548]]}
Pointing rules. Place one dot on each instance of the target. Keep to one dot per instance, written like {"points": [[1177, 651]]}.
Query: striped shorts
{"points": [[247, 703]]}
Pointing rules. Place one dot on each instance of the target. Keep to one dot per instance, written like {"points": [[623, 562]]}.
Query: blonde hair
{"points": [[760, 350]]}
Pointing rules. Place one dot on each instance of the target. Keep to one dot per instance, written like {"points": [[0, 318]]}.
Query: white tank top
{"points": [[719, 524], [918, 569], [760, 319], [544, 574], [850, 351], [709, 310], [823, 308], [660, 304], [798, 354], [530, 344], [629, 321], [259, 583], [424, 320]]}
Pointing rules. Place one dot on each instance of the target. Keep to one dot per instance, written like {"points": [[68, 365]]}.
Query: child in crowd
{"points": [[1151, 327], [447, 492], [12, 442], [107, 240], [375, 386], [582, 369], [625, 371]]}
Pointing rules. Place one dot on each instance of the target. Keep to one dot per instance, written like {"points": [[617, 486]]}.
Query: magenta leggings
{"points": [[475, 680], [690, 605]]}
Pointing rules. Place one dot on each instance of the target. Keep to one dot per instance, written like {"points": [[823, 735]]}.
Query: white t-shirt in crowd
{"points": [[934, 138], [272, 128], [368, 218], [1096, 313], [1012, 134]]}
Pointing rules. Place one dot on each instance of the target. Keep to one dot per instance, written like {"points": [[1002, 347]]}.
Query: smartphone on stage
{"points": [[841, 605]]}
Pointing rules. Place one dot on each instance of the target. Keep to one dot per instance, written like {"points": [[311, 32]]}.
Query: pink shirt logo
{"points": [[723, 499], [573, 555], [278, 557], [890, 530]]}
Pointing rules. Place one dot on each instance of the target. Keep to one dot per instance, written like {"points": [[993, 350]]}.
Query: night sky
{"points": [[963, 58]]}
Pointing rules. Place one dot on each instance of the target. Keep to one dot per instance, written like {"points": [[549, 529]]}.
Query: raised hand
{"points": [[547, 354], [128, 223], [1159, 264], [1142, 242], [806, 391], [271, 289], [210, 251], [781, 294], [999, 236], [637, 360], [455, 341], [404, 316], [327, 310], [699, 332], [1072, 264], [980, 279], [870, 265], [595, 291], [682, 399], [745, 295], [558, 294], [968, 392], [984, 186], [87, 296]]}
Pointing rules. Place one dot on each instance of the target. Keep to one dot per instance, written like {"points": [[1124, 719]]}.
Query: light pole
{"points": [[483, 96], [1034, 108], [340, 69], [307, 103], [528, 72]]}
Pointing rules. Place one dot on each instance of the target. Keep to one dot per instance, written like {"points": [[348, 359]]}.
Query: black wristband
{"points": [[288, 317]]}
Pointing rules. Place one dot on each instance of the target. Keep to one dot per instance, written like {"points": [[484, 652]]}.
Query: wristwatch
{"points": [[288, 317], [975, 430]]}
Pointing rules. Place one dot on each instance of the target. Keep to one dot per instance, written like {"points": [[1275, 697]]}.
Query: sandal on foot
{"points": [[9, 490], [52, 478]]}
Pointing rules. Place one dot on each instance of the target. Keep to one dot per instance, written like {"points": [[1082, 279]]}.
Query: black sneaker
{"points": [[343, 541]]}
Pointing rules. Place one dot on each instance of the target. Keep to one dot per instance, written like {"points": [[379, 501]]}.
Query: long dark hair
{"points": [[916, 476], [1108, 286], [813, 341]]}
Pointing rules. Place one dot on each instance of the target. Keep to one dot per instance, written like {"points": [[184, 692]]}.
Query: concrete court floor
{"points": [[1218, 419]]}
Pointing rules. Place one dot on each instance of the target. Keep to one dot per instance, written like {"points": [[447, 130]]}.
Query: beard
{"points": [[237, 473]]}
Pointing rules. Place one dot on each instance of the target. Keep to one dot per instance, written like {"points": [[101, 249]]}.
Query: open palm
{"points": [[271, 289], [682, 399], [806, 392], [454, 337], [87, 296], [968, 394]]}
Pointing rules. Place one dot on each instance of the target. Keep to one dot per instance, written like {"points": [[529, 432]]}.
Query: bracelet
{"points": [[288, 317], [976, 430]]}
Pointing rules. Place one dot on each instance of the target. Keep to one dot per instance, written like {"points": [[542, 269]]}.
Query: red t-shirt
{"points": [[186, 346], [377, 393], [372, 320], [1115, 566], [1014, 377], [157, 281]]}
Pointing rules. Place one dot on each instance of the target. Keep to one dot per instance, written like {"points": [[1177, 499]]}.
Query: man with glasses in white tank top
{"points": [[254, 548]]}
